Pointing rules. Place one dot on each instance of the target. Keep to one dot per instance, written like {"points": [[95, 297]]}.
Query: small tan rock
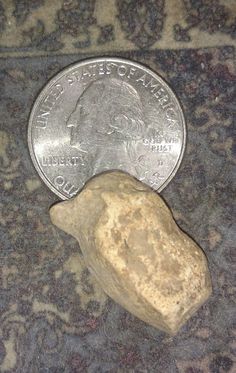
{"points": [[136, 251]]}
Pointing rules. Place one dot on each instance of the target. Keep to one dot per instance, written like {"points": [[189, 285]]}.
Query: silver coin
{"points": [[104, 114]]}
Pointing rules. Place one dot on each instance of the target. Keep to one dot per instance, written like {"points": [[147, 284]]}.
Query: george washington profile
{"points": [[106, 120]]}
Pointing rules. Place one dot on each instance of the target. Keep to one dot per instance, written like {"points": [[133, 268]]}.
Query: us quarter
{"points": [[104, 114]]}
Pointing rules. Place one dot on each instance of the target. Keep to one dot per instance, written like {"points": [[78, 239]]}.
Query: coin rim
{"points": [[85, 62]]}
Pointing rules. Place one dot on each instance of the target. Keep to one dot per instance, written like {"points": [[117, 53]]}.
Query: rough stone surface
{"points": [[136, 251]]}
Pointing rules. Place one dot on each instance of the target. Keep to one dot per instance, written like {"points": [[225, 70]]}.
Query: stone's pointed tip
{"points": [[173, 332], [53, 213], [60, 214]]}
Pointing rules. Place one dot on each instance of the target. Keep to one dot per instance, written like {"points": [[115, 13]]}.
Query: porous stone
{"points": [[134, 248]]}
